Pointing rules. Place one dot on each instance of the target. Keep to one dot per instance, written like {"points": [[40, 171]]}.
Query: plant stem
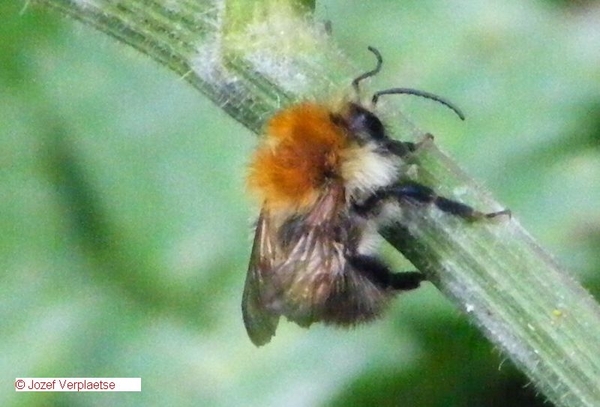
{"points": [[253, 57]]}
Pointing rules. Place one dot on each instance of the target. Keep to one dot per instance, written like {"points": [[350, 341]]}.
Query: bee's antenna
{"points": [[408, 91], [370, 73]]}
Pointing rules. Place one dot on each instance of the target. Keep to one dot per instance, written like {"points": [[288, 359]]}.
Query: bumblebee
{"points": [[323, 175]]}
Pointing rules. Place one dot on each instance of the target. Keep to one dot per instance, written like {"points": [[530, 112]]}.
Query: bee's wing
{"points": [[259, 321], [311, 274], [312, 269], [317, 282]]}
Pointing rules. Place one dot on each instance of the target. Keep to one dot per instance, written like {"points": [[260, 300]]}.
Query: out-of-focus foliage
{"points": [[124, 223]]}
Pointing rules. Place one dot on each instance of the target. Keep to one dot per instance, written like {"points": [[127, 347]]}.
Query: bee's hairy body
{"points": [[322, 175], [313, 168]]}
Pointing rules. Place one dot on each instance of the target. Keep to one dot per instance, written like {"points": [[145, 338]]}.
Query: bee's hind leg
{"points": [[378, 272]]}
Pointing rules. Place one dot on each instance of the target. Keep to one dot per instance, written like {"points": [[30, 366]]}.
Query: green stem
{"points": [[253, 57], [514, 291]]}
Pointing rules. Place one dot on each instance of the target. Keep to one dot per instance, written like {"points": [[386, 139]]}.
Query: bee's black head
{"points": [[364, 124]]}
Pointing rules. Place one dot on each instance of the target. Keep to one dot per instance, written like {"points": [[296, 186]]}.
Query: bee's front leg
{"points": [[404, 148]]}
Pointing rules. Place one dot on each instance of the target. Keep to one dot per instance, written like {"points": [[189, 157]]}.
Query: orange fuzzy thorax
{"points": [[300, 153]]}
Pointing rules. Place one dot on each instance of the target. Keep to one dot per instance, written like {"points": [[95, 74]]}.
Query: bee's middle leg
{"points": [[378, 272], [425, 195]]}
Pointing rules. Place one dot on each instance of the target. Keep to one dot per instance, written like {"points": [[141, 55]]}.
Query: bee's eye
{"points": [[363, 121]]}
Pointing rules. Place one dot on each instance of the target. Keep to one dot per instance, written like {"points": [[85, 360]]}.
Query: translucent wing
{"points": [[310, 260], [259, 321], [317, 282], [301, 270], [313, 271]]}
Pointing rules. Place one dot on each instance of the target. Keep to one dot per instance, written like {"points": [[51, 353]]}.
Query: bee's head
{"points": [[362, 121], [364, 124]]}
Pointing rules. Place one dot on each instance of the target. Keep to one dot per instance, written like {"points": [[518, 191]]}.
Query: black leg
{"points": [[425, 195], [379, 273], [400, 148], [403, 148]]}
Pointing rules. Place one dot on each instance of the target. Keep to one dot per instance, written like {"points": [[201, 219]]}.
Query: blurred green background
{"points": [[125, 231]]}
